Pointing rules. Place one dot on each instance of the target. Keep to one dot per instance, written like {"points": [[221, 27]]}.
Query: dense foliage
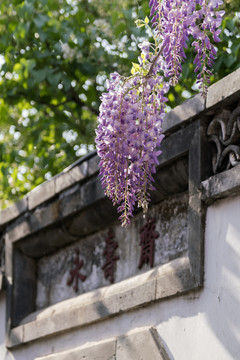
{"points": [[54, 58]]}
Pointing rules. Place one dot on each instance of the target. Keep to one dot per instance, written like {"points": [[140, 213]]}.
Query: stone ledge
{"points": [[224, 89], [221, 185], [135, 345], [13, 211], [75, 199], [98, 351], [183, 113], [69, 178], [141, 343], [100, 304]]}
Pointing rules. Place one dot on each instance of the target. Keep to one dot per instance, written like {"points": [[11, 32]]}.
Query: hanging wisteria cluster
{"points": [[129, 130]]}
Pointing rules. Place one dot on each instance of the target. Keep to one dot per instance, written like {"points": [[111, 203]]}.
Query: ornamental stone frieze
{"points": [[224, 132]]}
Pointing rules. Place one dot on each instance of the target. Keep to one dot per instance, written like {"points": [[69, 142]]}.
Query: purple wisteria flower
{"points": [[206, 28], [129, 131], [128, 136], [174, 22]]}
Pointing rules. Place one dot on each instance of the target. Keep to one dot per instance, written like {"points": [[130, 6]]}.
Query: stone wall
{"points": [[75, 285]]}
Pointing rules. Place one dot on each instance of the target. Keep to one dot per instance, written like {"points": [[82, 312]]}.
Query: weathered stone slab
{"points": [[44, 215], [100, 304], [221, 185], [104, 350], [139, 291], [139, 344], [224, 89], [16, 337], [184, 112], [70, 201], [13, 211], [19, 230], [41, 193], [178, 279], [93, 165], [70, 177]]}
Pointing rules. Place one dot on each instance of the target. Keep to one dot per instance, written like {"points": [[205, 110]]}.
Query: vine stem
{"points": [[154, 62]]}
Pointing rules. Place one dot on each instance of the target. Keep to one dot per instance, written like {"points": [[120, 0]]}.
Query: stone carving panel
{"points": [[224, 132], [81, 266]]}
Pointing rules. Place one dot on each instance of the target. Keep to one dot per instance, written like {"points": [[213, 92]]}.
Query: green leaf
{"points": [[54, 78], [114, 17], [120, 28], [40, 75], [230, 24], [40, 20], [229, 60]]}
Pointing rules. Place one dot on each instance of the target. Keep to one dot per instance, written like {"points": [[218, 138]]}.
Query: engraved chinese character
{"points": [[75, 275], [110, 263], [147, 243]]}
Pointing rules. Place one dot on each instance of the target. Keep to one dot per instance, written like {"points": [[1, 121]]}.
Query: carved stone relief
{"points": [[224, 132]]}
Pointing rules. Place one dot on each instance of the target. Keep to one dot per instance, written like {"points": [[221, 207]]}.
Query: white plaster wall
{"points": [[197, 326]]}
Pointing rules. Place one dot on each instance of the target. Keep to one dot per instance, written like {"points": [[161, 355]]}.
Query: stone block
{"points": [[41, 194], [45, 215], [139, 344], [221, 185], [94, 218], [70, 201], [227, 87], [93, 165], [15, 337], [46, 241], [69, 178], [177, 144], [184, 112], [103, 350], [85, 309], [174, 278], [13, 211], [91, 192], [19, 230], [138, 294]]}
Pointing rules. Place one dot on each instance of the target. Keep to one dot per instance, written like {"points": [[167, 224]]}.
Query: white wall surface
{"points": [[198, 326]]}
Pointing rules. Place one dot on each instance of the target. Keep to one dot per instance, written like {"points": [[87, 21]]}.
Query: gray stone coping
{"points": [[49, 189], [161, 282], [135, 345], [101, 350], [221, 185], [226, 89], [223, 91]]}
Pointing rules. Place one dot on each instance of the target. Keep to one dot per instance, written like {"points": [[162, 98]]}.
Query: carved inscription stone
{"points": [[117, 247]]}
